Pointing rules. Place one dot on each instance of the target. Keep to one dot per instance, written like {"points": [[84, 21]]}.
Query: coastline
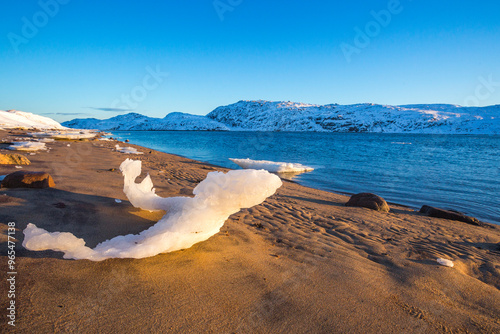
{"points": [[398, 189], [299, 262]]}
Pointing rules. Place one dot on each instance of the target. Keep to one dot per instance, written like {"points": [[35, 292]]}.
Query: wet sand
{"points": [[300, 262]]}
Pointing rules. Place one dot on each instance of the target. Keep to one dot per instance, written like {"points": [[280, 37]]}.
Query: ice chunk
{"points": [[445, 262], [118, 200], [27, 146], [187, 221], [65, 134], [272, 166], [128, 150]]}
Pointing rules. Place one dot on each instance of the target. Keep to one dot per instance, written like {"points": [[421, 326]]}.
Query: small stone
{"points": [[186, 191], [368, 200], [24, 179]]}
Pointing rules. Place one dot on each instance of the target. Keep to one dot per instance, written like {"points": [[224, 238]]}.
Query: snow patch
{"points": [[64, 134], [27, 146], [128, 150], [19, 119]]}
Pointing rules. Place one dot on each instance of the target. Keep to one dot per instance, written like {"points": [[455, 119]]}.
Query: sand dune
{"points": [[299, 262]]}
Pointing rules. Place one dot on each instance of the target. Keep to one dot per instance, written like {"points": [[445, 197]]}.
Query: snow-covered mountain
{"points": [[291, 116], [367, 117], [19, 119], [134, 121]]}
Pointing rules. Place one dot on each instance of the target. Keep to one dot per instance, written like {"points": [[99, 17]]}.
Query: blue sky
{"points": [[75, 58]]}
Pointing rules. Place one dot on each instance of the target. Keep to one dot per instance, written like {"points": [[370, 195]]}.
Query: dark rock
{"points": [[368, 200], [126, 140], [59, 205], [448, 214], [24, 179], [13, 159], [186, 191]]}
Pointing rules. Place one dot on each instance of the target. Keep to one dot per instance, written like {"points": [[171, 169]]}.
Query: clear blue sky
{"points": [[85, 56]]}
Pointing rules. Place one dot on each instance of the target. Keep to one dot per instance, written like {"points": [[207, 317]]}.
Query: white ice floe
{"points": [[46, 140], [128, 150], [445, 262], [272, 166], [27, 146], [18, 167], [187, 221], [118, 200]]}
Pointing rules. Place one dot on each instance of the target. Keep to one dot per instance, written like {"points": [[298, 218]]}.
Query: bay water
{"points": [[459, 172]]}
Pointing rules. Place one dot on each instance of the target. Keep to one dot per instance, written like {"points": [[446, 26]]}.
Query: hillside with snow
{"points": [[134, 121], [19, 119], [291, 116]]}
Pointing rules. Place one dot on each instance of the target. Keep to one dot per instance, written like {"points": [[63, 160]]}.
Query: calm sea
{"points": [[460, 172]]}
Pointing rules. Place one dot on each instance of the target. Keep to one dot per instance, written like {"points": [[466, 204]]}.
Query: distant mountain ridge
{"points": [[293, 116], [135, 121]]}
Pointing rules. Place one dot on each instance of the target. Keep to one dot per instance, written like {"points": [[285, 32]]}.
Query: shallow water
{"points": [[459, 172]]}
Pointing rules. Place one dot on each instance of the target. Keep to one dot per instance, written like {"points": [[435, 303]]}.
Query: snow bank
{"points": [[271, 166], [64, 134], [188, 220], [27, 146], [128, 150], [20, 119]]}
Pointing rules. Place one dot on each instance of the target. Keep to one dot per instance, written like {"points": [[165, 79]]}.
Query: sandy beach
{"points": [[301, 262]]}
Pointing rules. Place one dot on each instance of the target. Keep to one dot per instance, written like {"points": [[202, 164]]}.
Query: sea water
{"points": [[459, 172]]}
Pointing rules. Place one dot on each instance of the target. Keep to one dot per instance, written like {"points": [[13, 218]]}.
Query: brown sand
{"points": [[300, 262]]}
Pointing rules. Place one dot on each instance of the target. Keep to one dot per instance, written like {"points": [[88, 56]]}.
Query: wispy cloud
{"points": [[110, 109], [66, 113]]}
